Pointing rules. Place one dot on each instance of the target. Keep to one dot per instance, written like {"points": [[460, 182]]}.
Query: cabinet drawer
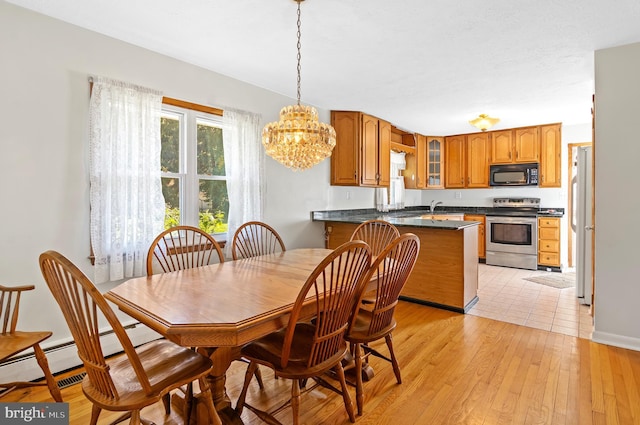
{"points": [[549, 246], [549, 233], [549, 222], [548, 259]]}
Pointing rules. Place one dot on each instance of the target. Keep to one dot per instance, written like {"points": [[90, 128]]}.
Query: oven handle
{"points": [[511, 220]]}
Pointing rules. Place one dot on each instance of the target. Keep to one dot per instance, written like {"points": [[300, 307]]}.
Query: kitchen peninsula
{"points": [[446, 273]]}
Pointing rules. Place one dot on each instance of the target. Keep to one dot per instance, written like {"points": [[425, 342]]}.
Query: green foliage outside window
{"points": [[207, 221]]}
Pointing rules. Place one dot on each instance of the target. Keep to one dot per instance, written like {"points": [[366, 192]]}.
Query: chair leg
{"points": [[394, 361], [135, 418], [251, 369], [258, 376], [166, 401], [359, 390], [348, 404], [95, 413], [205, 390], [44, 365], [295, 400], [188, 403]]}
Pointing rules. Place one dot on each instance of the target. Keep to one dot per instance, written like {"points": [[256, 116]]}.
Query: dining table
{"points": [[220, 307]]}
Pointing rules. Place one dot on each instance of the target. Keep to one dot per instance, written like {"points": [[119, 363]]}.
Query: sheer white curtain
{"points": [[244, 167], [127, 206]]}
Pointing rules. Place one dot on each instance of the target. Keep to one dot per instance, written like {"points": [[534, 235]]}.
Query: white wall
{"points": [[44, 97], [617, 150]]}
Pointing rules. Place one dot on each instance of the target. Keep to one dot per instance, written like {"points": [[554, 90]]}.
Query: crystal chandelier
{"points": [[484, 121], [298, 140]]}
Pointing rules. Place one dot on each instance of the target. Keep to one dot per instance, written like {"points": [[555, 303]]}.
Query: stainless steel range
{"points": [[512, 233]]}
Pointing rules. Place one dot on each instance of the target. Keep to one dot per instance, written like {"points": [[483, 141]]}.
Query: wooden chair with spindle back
{"points": [[182, 247], [390, 270], [310, 348], [13, 342], [130, 382], [377, 233], [255, 238]]}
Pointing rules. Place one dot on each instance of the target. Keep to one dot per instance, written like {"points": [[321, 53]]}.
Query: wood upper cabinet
{"points": [[435, 162], [416, 169], [454, 162], [361, 156], [467, 161], [515, 145], [425, 168], [477, 160], [550, 155]]}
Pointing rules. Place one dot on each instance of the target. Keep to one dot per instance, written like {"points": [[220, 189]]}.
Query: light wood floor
{"points": [[457, 369]]}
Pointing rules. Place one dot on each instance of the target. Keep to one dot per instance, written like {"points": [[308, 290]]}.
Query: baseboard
{"points": [[616, 340], [64, 356]]}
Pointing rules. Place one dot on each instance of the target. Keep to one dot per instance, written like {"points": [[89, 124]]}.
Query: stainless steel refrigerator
{"points": [[584, 226]]}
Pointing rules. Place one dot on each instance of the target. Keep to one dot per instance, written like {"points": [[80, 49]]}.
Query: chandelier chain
{"points": [[299, 45]]}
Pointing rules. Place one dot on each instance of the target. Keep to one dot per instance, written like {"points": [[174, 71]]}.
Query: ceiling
{"points": [[425, 66]]}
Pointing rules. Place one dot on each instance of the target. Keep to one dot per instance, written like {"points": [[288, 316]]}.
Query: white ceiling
{"points": [[424, 65]]}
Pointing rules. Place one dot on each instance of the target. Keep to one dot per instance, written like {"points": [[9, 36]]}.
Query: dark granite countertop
{"points": [[410, 216], [406, 217]]}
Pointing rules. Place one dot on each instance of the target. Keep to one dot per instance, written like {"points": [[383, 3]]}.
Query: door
{"points": [[584, 225]]}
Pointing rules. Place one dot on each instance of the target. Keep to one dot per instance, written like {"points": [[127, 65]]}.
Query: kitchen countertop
{"points": [[410, 216], [406, 217]]}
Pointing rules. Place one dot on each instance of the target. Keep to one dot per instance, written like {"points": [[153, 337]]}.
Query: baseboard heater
{"points": [[64, 356]]}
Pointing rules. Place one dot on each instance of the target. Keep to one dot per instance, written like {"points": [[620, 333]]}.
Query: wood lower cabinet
{"points": [[482, 243], [550, 156], [446, 272], [467, 161], [549, 241], [361, 156]]}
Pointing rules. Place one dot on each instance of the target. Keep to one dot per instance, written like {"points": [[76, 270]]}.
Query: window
{"points": [[194, 183]]}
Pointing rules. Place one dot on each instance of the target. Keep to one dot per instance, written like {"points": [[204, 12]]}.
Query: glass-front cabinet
{"points": [[435, 162]]}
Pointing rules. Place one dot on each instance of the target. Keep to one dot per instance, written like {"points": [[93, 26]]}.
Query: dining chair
{"points": [[255, 238], [13, 342], [182, 247], [313, 343], [138, 378], [376, 233], [390, 270]]}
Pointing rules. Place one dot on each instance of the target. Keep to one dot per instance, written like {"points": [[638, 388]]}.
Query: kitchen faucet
{"points": [[434, 204]]}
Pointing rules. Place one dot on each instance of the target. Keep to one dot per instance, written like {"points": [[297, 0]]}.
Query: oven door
{"points": [[518, 235]]}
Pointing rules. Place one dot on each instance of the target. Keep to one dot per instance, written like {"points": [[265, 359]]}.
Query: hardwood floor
{"points": [[456, 369]]}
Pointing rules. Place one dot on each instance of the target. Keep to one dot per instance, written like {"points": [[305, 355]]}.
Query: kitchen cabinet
{"points": [[361, 156], [550, 155], [425, 168], [435, 162], [467, 161], [549, 241], [415, 173], [518, 145], [482, 243], [446, 272]]}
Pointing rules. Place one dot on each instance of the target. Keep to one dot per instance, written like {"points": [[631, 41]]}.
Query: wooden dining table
{"points": [[220, 307]]}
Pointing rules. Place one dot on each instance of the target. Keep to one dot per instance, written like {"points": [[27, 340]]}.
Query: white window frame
{"points": [[188, 162]]}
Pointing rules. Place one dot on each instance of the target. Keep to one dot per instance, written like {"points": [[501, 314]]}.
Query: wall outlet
{"points": [[458, 195], [348, 195]]}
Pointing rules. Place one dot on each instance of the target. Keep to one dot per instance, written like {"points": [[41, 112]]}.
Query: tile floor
{"points": [[505, 296]]}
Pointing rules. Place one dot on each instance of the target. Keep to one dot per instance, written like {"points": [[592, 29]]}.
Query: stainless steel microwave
{"points": [[514, 174]]}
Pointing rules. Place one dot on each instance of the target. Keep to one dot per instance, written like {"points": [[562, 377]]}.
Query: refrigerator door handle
{"points": [[589, 227]]}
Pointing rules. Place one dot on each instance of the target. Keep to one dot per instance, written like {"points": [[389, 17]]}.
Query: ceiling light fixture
{"points": [[484, 122], [298, 140]]}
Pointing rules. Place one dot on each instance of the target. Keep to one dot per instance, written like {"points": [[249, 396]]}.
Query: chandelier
{"points": [[484, 121], [298, 140]]}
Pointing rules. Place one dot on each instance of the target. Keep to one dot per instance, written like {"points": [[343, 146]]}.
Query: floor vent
{"points": [[72, 380]]}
